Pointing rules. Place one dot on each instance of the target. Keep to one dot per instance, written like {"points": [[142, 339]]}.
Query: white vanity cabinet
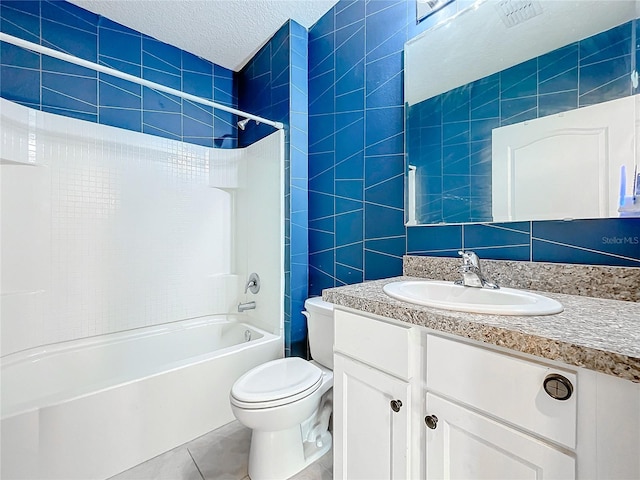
{"points": [[494, 418], [471, 410], [371, 438], [468, 445], [373, 366]]}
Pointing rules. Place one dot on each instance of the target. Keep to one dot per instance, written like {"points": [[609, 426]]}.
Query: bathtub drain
{"points": [[247, 335]]}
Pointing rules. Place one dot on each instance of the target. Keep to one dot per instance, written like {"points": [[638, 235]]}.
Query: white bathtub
{"points": [[88, 409]]}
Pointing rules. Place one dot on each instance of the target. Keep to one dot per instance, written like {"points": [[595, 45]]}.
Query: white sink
{"points": [[449, 296]]}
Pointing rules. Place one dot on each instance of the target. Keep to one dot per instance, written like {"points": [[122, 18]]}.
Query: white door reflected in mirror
{"points": [[551, 80]]}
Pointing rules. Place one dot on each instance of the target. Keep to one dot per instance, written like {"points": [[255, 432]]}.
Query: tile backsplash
{"points": [[611, 241]]}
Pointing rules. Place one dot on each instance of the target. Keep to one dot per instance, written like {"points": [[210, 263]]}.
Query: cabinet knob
{"points": [[557, 386], [431, 421], [396, 405]]}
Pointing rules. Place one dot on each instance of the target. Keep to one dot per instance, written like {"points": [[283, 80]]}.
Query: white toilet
{"points": [[288, 403]]}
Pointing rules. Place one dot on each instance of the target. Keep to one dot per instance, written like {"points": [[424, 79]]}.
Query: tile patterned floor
{"points": [[222, 454]]}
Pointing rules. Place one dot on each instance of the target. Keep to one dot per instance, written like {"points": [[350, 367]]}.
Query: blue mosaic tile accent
{"points": [[44, 83]]}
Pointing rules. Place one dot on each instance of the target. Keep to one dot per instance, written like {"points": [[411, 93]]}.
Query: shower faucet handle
{"points": [[253, 284]]}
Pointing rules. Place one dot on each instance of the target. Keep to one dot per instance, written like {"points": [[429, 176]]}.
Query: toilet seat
{"points": [[276, 383]]}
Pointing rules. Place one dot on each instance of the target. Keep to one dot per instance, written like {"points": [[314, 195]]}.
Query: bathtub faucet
{"points": [[246, 306]]}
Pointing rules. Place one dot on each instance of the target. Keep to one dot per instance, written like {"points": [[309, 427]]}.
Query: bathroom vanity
{"points": [[428, 393]]}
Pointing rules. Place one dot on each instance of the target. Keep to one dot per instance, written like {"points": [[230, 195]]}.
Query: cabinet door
{"points": [[467, 445], [371, 439]]}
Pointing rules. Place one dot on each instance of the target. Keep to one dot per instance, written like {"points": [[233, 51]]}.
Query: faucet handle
{"points": [[469, 258], [253, 284]]}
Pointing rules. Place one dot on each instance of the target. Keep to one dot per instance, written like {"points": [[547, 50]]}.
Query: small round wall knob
{"points": [[396, 405], [431, 421], [558, 387]]}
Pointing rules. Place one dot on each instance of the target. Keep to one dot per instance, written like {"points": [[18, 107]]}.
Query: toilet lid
{"points": [[277, 380]]}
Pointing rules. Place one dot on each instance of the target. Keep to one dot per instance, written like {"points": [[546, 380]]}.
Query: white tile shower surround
{"points": [[105, 230], [222, 454]]}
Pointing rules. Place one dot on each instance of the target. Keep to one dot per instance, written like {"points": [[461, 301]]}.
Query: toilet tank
{"points": [[320, 326]]}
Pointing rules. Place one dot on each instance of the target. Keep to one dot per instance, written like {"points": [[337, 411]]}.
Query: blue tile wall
{"points": [[356, 140], [356, 143], [51, 85], [356, 147], [449, 136], [298, 179], [274, 84], [611, 241]]}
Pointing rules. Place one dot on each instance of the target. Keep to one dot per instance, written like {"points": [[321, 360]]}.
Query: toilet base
{"points": [[280, 455]]}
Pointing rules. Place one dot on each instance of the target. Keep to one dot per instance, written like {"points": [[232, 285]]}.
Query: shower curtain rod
{"points": [[131, 78]]}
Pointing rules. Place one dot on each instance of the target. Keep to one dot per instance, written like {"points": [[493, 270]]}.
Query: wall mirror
{"points": [[524, 110], [424, 8]]}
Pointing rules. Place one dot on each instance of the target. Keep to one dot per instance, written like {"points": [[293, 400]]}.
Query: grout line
{"points": [[385, 254], [196, 464], [531, 240], [501, 227], [584, 249]]}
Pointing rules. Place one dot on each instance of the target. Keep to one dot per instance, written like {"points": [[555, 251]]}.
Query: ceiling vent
{"points": [[514, 12]]}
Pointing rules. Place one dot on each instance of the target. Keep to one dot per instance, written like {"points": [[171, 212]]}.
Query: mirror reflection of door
{"points": [[528, 70]]}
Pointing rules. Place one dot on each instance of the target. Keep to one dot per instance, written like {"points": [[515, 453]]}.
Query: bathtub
{"points": [[91, 408]]}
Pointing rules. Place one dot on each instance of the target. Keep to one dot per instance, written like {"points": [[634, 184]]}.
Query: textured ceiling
{"points": [[226, 32]]}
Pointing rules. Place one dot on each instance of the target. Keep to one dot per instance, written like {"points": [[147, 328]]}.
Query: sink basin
{"points": [[449, 296]]}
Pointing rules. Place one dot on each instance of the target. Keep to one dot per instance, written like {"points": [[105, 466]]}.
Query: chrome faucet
{"points": [[246, 306], [472, 275], [253, 284]]}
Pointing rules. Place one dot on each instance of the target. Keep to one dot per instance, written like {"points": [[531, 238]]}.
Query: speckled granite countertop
{"points": [[594, 333]]}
